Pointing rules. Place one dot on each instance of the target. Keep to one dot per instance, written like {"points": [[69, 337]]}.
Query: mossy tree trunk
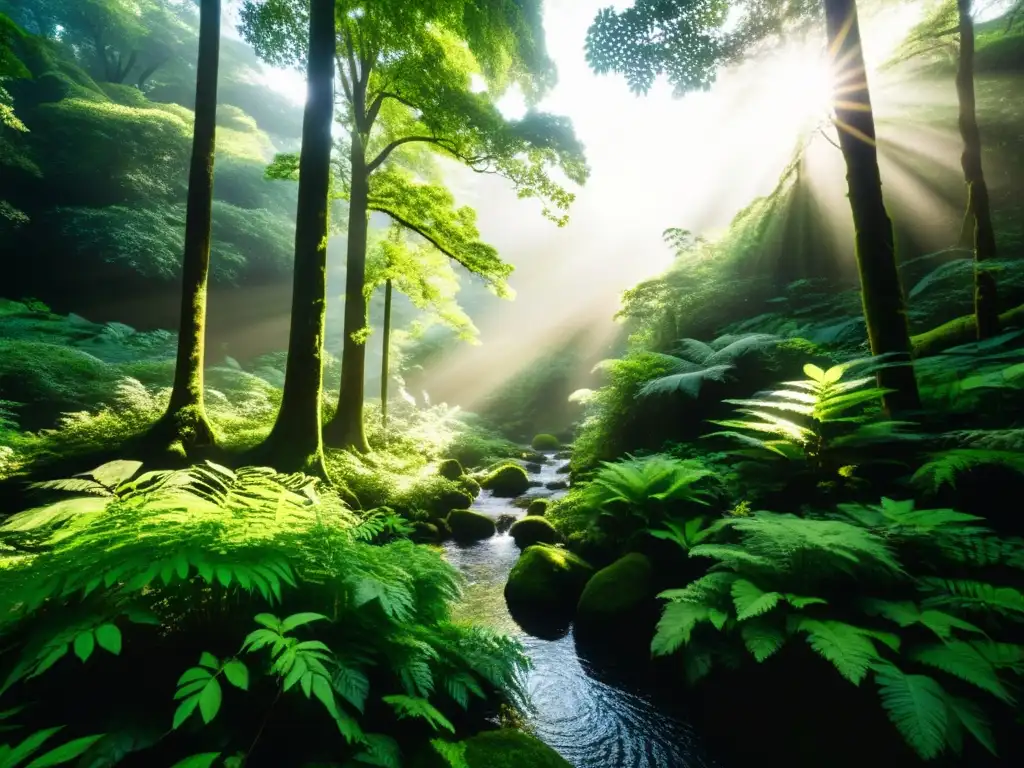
{"points": [[346, 430], [295, 443], [882, 294], [385, 367], [986, 311], [185, 426]]}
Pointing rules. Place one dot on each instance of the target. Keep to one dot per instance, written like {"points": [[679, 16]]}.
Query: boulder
{"points": [[557, 485], [565, 469], [506, 481], [467, 526], [424, 533], [533, 530], [450, 469], [616, 594], [449, 499], [545, 442], [504, 522], [537, 508], [532, 467], [546, 579], [471, 486]]}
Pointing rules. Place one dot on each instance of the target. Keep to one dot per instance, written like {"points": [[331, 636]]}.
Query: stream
{"points": [[590, 723]]}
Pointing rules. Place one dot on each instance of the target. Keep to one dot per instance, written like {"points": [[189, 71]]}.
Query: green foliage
{"points": [[697, 362], [634, 495], [830, 418], [776, 578], [192, 553]]}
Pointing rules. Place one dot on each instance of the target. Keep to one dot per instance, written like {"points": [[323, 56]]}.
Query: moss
{"points": [[545, 442], [507, 481], [537, 508], [424, 533], [533, 530], [547, 578], [616, 592], [450, 469], [503, 748], [958, 331], [467, 525], [471, 486]]}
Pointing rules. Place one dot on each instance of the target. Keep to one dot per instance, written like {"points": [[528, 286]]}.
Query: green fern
{"points": [[696, 363], [15, 756], [943, 468]]}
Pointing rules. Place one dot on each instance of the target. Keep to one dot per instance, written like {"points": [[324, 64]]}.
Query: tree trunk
{"points": [[295, 442], [346, 428], [986, 311], [185, 426], [385, 356], [882, 294]]}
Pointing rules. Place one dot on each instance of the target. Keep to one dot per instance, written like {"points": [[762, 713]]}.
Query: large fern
{"points": [[780, 578], [696, 362], [193, 553]]}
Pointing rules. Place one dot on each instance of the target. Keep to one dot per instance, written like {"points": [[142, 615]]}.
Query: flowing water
{"points": [[590, 723]]}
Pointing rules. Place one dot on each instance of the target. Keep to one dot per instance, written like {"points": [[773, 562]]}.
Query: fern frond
{"points": [[917, 706]]}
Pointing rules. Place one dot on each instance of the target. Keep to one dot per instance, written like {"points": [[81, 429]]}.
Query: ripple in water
{"points": [[590, 723]]}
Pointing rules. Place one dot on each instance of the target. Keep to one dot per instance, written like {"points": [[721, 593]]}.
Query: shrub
{"points": [[232, 590]]}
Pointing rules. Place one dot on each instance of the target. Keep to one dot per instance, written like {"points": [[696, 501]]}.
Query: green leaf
{"points": [[814, 373], [847, 647], [85, 644], [237, 674], [209, 661], [761, 639], [203, 760], [973, 719], [750, 600], [108, 636], [916, 704], [186, 708], [298, 619], [29, 746], [209, 700], [65, 752], [194, 674], [964, 661]]}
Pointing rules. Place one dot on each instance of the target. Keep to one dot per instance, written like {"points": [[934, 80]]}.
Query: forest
{"points": [[486, 383]]}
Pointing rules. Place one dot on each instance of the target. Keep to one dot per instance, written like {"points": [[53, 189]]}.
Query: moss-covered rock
{"points": [[533, 530], [471, 486], [565, 469], [506, 481], [504, 748], [545, 442], [450, 469], [546, 579], [617, 592], [449, 499], [467, 525], [424, 533], [537, 508], [532, 466]]}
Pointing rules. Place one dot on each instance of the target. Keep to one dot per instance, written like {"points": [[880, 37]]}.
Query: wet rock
{"points": [[564, 469], [507, 481], [535, 484], [532, 467], [537, 508], [617, 593], [425, 533], [468, 526], [557, 485], [546, 580], [504, 522], [533, 530]]}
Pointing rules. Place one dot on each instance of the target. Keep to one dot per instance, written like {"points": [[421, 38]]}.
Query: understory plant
{"points": [[635, 495], [227, 617], [819, 429], [914, 600]]}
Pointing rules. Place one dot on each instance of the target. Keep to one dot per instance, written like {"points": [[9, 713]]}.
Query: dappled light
{"points": [[470, 384]]}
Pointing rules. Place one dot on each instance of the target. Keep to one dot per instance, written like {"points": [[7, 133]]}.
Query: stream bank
{"points": [[591, 723]]}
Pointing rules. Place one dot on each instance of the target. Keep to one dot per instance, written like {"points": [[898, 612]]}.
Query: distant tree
{"points": [[295, 443], [185, 425], [686, 40], [949, 27], [425, 276], [408, 71]]}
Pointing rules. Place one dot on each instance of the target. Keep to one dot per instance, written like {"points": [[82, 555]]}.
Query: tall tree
{"points": [[295, 442], [185, 425], [986, 306], [686, 40], [408, 71]]}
